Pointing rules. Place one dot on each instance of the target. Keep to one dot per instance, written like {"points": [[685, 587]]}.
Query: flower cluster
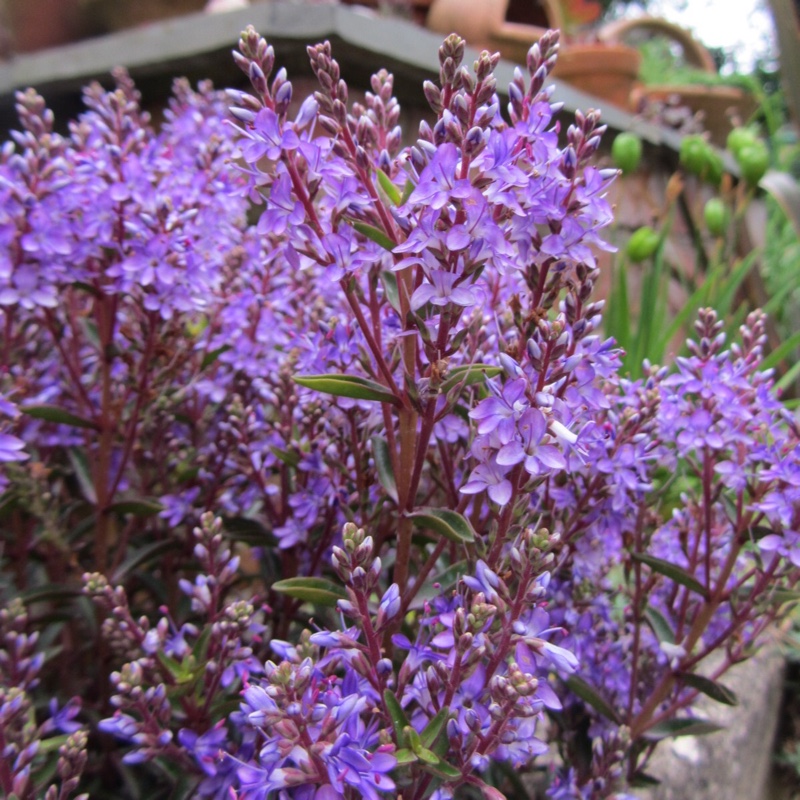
{"points": [[355, 483]]}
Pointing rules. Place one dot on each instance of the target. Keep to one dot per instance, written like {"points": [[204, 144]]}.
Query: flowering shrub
{"points": [[427, 508]]}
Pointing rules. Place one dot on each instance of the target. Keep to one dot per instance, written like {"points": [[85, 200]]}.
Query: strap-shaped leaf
{"points": [[138, 506], [671, 571], [52, 413], [347, 386], [398, 716], [588, 694], [450, 524], [320, 591], [210, 357], [391, 191], [660, 625], [389, 280], [404, 757], [383, 463], [716, 691], [142, 555], [680, 727], [468, 376], [430, 733], [375, 234]]}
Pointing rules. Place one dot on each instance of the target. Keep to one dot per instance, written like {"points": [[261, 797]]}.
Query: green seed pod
{"points": [[627, 152], [642, 244], [753, 161], [715, 214], [739, 138], [694, 154]]}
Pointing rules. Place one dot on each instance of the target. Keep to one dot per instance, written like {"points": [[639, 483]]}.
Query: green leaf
{"points": [[383, 463], [347, 386], [398, 716], [210, 357], [430, 733], [444, 770], [52, 744], [781, 596], [468, 376], [51, 413], [311, 590], [392, 192], [389, 280], [247, 530], [287, 457], [82, 472], [450, 524], [139, 507], [671, 571], [680, 727], [660, 625], [51, 591], [716, 691], [375, 234], [589, 695], [407, 190], [404, 757], [143, 555], [781, 352]]}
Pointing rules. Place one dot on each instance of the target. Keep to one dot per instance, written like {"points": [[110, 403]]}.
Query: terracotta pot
{"points": [[38, 24], [510, 26], [608, 72], [715, 102], [112, 15]]}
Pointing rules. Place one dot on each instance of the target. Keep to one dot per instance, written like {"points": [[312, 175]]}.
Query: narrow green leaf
{"points": [[347, 386], [589, 695], [142, 556], [680, 727], [407, 190], [51, 413], [404, 757], [52, 744], [716, 691], [450, 524], [389, 280], [383, 463], [660, 625], [444, 770], [781, 352], [788, 378], [311, 590], [247, 530], [392, 192], [210, 357], [398, 716], [468, 376], [82, 472], [50, 591], [375, 234], [431, 731], [671, 571], [288, 458], [139, 507]]}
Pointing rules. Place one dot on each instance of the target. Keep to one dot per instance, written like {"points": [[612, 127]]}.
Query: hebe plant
{"points": [[428, 512]]}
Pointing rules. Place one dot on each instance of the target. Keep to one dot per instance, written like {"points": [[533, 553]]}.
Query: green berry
{"points": [[715, 214], [739, 138], [642, 244], [627, 152], [694, 154], [753, 161]]}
